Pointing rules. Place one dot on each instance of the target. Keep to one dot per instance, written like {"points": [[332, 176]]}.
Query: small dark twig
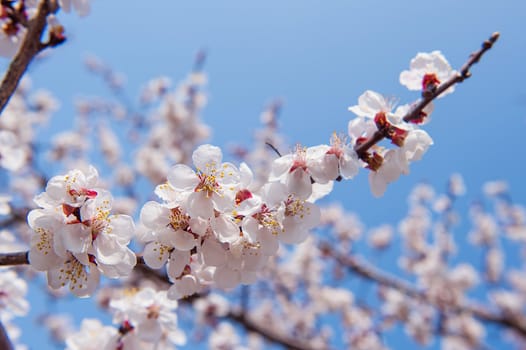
{"points": [[5, 342], [273, 148]]}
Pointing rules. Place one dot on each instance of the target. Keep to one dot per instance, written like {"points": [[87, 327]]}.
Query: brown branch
{"points": [[369, 272], [268, 333], [356, 265], [17, 258], [30, 47], [429, 96], [5, 342]]}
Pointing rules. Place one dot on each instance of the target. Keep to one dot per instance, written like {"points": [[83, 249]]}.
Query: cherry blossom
{"points": [[211, 187], [219, 225], [396, 161], [370, 103], [151, 316], [75, 237], [427, 68], [93, 336]]}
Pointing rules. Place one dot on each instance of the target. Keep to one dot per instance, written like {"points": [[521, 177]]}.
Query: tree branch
{"points": [[5, 342], [429, 96], [367, 271], [267, 333], [17, 258], [356, 265], [30, 47]]}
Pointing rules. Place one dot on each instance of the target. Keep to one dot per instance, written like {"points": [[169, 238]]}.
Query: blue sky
{"points": [[318, 57]]}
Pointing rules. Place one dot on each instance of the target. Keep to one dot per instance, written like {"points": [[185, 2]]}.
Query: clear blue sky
{"points": [[318, 56]]}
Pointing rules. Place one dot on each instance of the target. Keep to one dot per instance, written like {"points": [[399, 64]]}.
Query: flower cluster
{"points": [[375, 112], [213, 227], [217, 224], [146, 320], [76, 239]]}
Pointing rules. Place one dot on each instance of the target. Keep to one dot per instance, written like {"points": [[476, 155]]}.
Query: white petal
{"points": [[155, 255], [213, 253], [75, 238], [377, 183], [299, 183], [177, 263], [269, 242], [226, 278], [246, 175], [206, 156], [320, 191], [254, 259], [153, 215], [324, 168], [416, 144], [370, 103], [182, 240], [349, 163], [280, 167], [200, 206], [225, 229], [183, 287], [121, 228], [182, 178], [292, 232]]}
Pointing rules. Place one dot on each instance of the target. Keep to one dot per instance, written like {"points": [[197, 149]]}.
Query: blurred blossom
{"points": [[494, 264], [509, 302], [456, 185], [81, 7], [225, 337], [495, 188], [380, 237], [59, 325]]}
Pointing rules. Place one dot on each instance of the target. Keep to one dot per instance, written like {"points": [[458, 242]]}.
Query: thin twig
{"points": [[273, 148], [358, 266], [269, 334], [5, 342], [427, 97]]}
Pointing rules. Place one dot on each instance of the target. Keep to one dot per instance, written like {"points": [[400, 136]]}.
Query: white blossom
{"points": [[427, 63], [75, 237]]}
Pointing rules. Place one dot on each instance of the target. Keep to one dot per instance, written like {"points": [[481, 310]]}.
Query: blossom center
{"points": [[267, 218], [208, 183], [178, 220], [296, 207]]}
